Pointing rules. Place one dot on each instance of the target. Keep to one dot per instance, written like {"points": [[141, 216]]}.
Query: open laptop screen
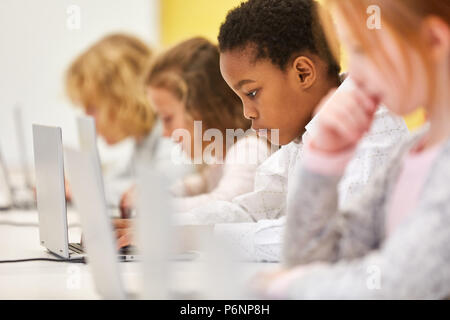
{"points": [[50, 191]]}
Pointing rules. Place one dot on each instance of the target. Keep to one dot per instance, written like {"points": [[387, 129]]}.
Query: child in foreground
{"points": [[393, 241]]}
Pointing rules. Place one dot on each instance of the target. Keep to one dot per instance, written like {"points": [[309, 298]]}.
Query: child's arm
{"points": [[238, 174], [267, 200], [317, 231], [411, 264], [259, 241]]}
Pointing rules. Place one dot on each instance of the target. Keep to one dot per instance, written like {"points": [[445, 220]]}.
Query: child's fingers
{"points": [[365, 101], [334, 123], [345, 118], [123, 241], [358, 111], [125, 212], [359, 116], [352, 117], [121, 223], [122, 232]]}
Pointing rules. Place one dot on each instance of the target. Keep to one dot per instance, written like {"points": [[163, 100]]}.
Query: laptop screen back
{"points": [[97, 228], [50, 192], [87, 136]]}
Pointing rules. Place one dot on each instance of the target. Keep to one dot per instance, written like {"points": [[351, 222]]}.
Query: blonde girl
{"points": [[106, 81]]}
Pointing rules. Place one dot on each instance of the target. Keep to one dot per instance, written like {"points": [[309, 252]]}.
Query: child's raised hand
{"points": [[345, 115]]}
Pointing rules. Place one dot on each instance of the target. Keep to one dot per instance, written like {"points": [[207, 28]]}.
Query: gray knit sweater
{"points": [[357, 260]]}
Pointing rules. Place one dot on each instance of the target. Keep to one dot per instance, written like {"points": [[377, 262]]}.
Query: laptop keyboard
{"points": [[76, 247], [127, 250]]}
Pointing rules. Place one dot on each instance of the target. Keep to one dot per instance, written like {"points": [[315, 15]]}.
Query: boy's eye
{"points": [[252, 94]]}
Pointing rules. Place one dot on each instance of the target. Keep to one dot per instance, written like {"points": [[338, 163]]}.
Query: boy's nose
{"points": [[250, 112]]}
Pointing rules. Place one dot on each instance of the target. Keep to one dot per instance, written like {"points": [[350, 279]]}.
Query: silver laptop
{"points": [[87, 136], [154, 236], [6, 190], [97, 228], [22, 147], [96, 225], [50, 193], [11, 195]]}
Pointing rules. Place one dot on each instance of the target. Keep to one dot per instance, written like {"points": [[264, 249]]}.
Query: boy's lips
{"points": [[257, 128]]}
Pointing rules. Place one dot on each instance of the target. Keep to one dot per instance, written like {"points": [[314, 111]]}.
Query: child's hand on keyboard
{"points": [[127, 202], [124, 232]]}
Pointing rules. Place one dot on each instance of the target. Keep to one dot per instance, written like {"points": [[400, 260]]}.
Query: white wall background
{"points": [[36, 47]]}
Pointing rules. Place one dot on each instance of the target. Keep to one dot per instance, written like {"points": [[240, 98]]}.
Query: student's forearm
{"points": [[317, 229], [406, 266], [254, 241], [311, 208], [186, 204], [214, 212]]}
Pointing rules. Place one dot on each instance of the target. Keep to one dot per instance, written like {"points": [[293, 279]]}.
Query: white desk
{"points": [[19, 239]]}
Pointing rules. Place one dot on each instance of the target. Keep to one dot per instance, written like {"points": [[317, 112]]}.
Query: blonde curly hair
{"points": [[108, 78]]}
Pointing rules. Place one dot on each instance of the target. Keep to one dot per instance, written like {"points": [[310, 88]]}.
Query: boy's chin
{"points": [[285, 139], [263, 133], [275, 138]]}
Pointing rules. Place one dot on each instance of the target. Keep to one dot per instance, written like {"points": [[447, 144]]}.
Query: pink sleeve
{"points": [[330, 164]]}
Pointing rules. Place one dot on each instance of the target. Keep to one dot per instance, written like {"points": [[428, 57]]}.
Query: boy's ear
{"points": [[305, 71]]}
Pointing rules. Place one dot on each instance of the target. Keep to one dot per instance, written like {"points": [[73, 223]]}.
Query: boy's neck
{"points": [[322, 90]]}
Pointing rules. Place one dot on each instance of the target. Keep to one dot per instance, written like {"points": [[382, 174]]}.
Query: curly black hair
{"points": [[277, 29]]}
